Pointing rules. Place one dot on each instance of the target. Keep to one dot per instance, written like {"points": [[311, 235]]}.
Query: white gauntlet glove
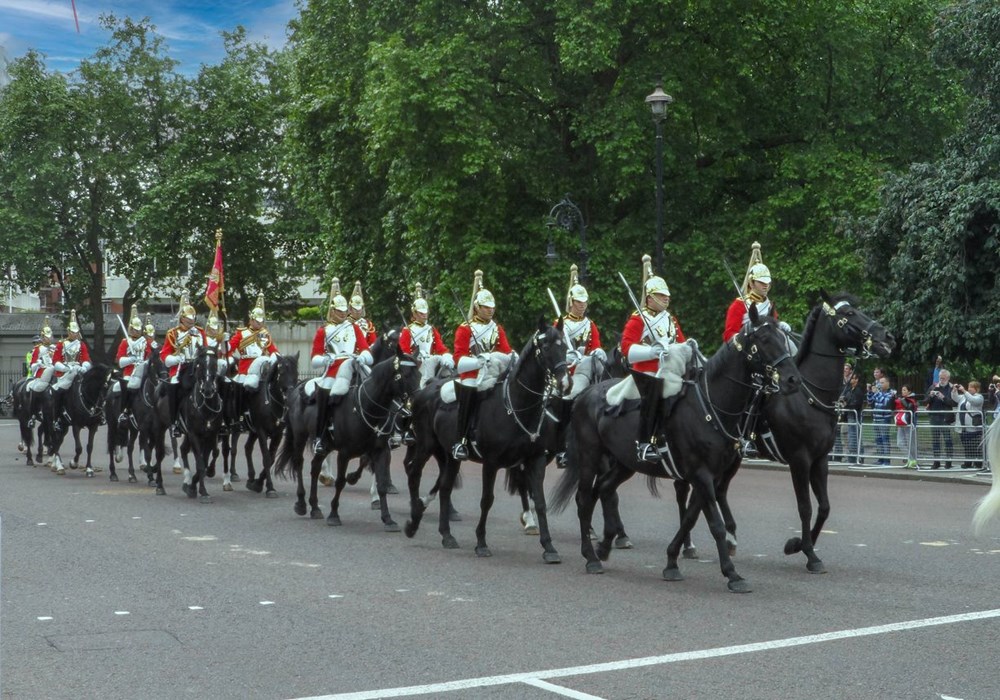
{"points": [[600, 354], [784, 326]]}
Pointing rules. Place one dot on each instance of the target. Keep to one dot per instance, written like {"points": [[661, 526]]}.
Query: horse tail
{"points": [[567, 486], [989, 505], [514, 480], [652, 483], [284, 455]]}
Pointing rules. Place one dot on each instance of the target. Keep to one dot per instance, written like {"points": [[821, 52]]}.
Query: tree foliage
{"points": [[430, 141], [933, 244]]}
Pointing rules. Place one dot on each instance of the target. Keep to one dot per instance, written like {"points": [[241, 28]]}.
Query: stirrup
{"points": [[647, 452], [460, 451], [395, 441], [175, 431], [409, 438], [318, 448], [561, 460]]}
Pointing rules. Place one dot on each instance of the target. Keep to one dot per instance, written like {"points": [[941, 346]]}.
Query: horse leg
{"points": [[413, 465], [818, 480], [704, 484], [201, 455], [178, 467], [156, 471], [315, 512], [606, 486], [300, 488], [722, 498], [132, 435], [91, 434], [355, 476], [485, 503], [536, 478], [681, 492], [446, 480], [341, 481], [804, 544], [268, 450], [252, 483], [689, 516], [380, 462]]}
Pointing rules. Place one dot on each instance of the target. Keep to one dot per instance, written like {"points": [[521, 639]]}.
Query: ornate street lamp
{"points": [[567, 216], [658, 102]]}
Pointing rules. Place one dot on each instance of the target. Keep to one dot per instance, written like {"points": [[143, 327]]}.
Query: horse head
{"points": [[765, 349], [385, 345], [205, 373], [547, 348], [854, 330], [284, 375]]}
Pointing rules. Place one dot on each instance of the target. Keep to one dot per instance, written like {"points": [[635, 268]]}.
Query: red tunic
{"points": [[463, 342], [632, 334], [57, 356], [234, 346], [170, 346], [593, 339], [437, 344], [319, 347], [734, 317], [34, 359], [123, 350]]}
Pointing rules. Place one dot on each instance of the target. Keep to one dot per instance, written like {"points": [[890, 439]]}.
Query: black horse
{"points": [[83, 405], [266, 409], [143, 425], [804, 424], [200, 417], [705, 431], [511, 432], [361, 422], [30, 408]]}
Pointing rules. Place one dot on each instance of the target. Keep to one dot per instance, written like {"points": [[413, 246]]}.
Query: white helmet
{"points": [[759, 273], [257, 312], [578, 293], [485, 298], [656, 285]]}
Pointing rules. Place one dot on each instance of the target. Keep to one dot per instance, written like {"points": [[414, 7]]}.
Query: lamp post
{"points": [[567, 216], [658, 102]]}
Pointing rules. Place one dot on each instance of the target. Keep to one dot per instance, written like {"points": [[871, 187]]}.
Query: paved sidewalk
{"points": [[962, 476]]}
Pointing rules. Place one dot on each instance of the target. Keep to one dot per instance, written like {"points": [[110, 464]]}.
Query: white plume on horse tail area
{"points": [[989, 505]]}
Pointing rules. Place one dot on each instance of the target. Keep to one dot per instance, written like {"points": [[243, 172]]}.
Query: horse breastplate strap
{"points": [[662, 327], [423, 338], [578, 331], [341, 339], [484, 337]]}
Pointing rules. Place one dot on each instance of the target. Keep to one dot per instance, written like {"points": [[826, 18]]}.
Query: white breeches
{"points": [[41, 383], [338, 385], [65, 381], [582, 376], [428, 369], [251, 380]]}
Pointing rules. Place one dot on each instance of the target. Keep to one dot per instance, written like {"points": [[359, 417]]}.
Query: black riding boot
{"points": [[173, 401], [322, 404], [466, 408], [565, 412], [125, 412], [650, 413], [58, 421]]}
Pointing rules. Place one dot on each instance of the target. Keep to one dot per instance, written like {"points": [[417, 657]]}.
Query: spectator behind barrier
{"points": [[969, 421]]}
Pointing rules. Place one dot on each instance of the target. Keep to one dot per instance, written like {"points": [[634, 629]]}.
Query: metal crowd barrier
{"points": [[876, 442]]}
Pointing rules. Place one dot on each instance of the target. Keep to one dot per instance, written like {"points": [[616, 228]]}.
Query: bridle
{"points": [[550, 386], [399, 406]]}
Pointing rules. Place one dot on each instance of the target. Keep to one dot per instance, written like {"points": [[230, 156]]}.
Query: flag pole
{"points": [[222, 287]]}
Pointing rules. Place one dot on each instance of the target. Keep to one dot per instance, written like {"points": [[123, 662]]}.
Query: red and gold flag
{"points": [[216, 286]]}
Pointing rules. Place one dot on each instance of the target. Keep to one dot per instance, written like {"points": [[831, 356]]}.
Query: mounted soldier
{"points": [[149, 330], [478, 342], [585, 347], [647, 342], [40, 364], [180, 348], [132, 356], [357, 314], [337, 345], [756, 287], [423, 341], [72, 357]]}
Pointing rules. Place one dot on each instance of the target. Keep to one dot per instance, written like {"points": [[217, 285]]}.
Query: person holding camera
{"points": [[882, 399], [940, 407], [994, 395], [969, 424], [853, 401]]}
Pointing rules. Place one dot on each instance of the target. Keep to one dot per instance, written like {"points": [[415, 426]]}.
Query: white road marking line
{"points": [[195, 607], [507, 679], [88, 521], [267, 602], [136, 517], [122, 612], [334, 595], [559, 690], [201, 538], [860, 545], [402, 590], [43, 618], [41, 524]]}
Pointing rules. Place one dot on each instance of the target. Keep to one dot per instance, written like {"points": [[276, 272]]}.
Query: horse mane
{"points": [[96, 375]]}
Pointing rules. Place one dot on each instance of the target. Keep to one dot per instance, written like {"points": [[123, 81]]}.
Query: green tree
{"points": [[933, 244]]}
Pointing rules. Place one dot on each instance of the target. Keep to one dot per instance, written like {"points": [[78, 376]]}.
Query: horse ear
{"points": [[754, 316], [825, 297], [541, 323]]}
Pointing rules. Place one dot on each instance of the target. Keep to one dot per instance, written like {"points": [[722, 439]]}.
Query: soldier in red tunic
{"points": [[179, 348], [357, 314], [72, 357], [477, 342], [423, 341], [253, 348], [132, 356], [337, 345], [646, 341], [756, 287]]}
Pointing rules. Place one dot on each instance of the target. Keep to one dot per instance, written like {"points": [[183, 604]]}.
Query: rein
{"points": [[92, 411], [550, 386], [388, 411]]}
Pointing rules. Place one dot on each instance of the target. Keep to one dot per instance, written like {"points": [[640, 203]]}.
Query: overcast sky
{"points": [[190, 27]]}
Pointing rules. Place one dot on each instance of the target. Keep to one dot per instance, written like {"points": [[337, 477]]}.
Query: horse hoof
{"points": [[672, 573], [332, 520], [119, 456], [449, 542], [210, 472], [227, 487], [97, 468], [603, 552], [327, 480], [595, 567], [160, 491], [271, 494], [793, 546], [186, 488], [113, 477], [815, 567], [300, 508], [741, 586], [352, 479], [20, 447], [551, 558], [409, 529], [234, 477], [61, 472], [192, 492], [483, 552], [690, 553], [254, 485], [376, 505], [392, 490], [90, 473], [623, 542], [206, 499], [151, 483], [391, 526], [74, 464]]}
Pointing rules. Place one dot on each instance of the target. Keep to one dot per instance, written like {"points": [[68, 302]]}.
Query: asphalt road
{"points": [[109, 591]]}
